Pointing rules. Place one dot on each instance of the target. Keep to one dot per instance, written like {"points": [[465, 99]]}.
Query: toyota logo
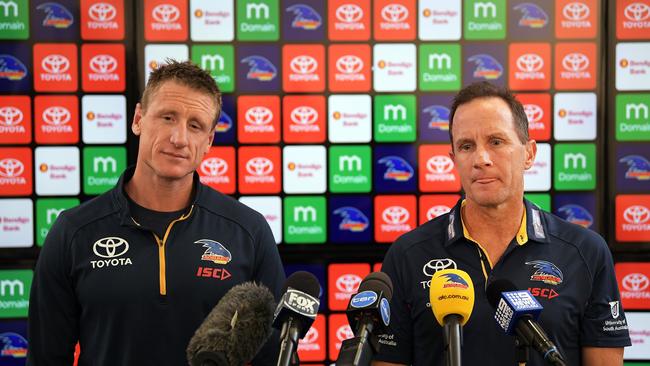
{"points": [[395, 215], [214, 167], [436, 211], [575, 11], [10, 116], [55, 64], [349, 13], [165, 13], [575, 62], [102, 12], [534, 113], [636, 214], [259, 116], [103, 64], [530, 62], [344, 332], [637, 12], [394, 13], [436, 265], [303, 64], [10, 168], [349, 64], [56, 116], [259, 166], [440, 164], [110, 247], [635, 282], [311, 337], [304, 115], [348, 283]]}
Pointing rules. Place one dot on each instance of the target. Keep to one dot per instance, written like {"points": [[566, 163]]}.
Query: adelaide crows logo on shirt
{"points": [[546, 272], [216, 252]]}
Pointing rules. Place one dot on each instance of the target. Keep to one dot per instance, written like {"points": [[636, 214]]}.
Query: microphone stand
{"points": [[453, 339], [522, 350], [289, 345]]}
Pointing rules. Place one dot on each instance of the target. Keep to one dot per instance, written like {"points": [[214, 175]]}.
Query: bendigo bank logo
{"points": [[110, 250], [215, 252], [532, 16], [576, 214], [352, 219], [56, 15], [12, 68], [260, 68], [638, 167], [305, 17]]}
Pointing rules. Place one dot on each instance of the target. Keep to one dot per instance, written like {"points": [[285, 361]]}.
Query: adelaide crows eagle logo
{"points": [[454, 280], [216, 252], [546, 272], [638, 167]]}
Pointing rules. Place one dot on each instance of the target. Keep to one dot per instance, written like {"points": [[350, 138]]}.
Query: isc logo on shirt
{"points": [[55, 67], [15, 171]]}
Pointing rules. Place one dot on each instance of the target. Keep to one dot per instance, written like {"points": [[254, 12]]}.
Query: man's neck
{"points": [[502, 221], [159, 194]]}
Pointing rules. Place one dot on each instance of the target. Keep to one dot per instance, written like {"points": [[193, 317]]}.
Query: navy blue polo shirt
{"points": [[568, 268]]}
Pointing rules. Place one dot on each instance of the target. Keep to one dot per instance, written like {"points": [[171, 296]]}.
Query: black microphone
{"points": [[516, 314], [368, 314], [235, 329], [295, 313]]}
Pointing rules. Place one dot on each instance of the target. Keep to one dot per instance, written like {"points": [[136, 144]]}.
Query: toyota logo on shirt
{"points": [[436, 265], [349, 13], [55, 64], [102, 12], [110, 247], [166, 13], [103, 64], [10, 116]]}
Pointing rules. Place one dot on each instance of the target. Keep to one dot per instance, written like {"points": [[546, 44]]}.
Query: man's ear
{"points": [[531, 153], [136, 126]]}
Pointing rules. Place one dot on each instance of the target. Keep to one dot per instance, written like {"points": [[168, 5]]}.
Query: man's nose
{"points": [[482, 157], [179, 135]]}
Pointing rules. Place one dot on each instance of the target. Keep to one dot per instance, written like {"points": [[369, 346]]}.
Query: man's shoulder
{"points": [[227, 207], [92, 210], [585, 240]]}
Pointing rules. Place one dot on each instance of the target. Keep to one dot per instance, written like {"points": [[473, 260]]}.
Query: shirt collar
{"points": [[533, 225]]}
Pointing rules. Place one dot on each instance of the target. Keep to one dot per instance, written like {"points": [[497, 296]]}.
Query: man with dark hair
{"points": [[131, 274], [494, 233]]}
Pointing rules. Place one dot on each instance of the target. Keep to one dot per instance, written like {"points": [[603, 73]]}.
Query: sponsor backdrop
{"points": [[335, 123]]}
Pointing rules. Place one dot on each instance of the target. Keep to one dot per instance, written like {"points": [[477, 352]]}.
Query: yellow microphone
{"points": [[452, 300]]}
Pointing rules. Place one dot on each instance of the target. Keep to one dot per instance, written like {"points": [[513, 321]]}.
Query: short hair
{"points": [[484, 89], [187, 74]]}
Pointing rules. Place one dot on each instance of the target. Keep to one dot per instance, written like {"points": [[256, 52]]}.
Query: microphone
{"points": [[452, 300], [235, 329], [295, 314], [368, 314], [516, 313]]}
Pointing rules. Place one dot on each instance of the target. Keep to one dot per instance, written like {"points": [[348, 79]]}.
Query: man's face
{"points": [[176, 130], [488, 154]]}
